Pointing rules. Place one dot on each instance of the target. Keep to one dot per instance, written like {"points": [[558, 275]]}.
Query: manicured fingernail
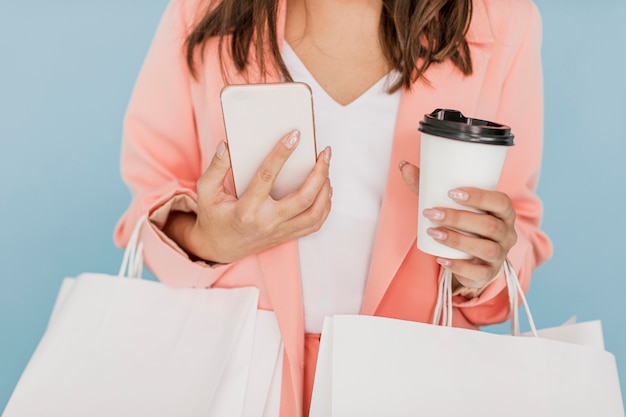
{"points": [[328, 153], [221, 148], [434, 214], [436, 234], [401, 164], [330, 194], [458, 195], [444, 262], [292, 139]]}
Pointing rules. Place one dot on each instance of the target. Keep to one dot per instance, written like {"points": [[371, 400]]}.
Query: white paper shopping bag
{"points": [[382, 366], [143, 349], [262, 389], [588, 333], [266, 369], [118, 346], [374, 366]]}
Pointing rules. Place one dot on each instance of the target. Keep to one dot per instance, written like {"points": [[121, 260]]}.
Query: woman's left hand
{"points": [[493, 230]]}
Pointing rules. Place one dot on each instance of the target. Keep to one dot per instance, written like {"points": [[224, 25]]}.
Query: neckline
{"points": [[376, 88]]}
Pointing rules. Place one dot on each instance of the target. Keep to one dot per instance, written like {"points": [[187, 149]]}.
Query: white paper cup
{"points": [[456, 152]]}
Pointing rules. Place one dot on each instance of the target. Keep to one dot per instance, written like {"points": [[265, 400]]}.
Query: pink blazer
{"points": [[174, 123]]}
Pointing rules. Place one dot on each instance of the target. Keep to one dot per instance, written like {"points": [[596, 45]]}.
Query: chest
{"points": [[338, 42]]}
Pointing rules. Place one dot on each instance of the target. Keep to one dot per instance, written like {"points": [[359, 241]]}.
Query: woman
{"points": [[375, 67]]}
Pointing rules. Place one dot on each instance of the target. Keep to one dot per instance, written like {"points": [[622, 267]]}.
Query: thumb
{"points": [[212, 181], [411, 175]]}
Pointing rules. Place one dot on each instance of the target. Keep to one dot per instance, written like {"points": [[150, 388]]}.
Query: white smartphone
{"points": [[256, 117]]}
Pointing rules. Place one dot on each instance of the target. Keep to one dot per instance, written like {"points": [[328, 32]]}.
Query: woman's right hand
{"points": [[227, 229]]}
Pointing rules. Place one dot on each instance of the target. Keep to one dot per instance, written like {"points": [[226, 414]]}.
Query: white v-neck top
{"points": [[335, 261]]}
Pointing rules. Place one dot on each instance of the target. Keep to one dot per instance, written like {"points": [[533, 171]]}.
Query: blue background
{"points": [[67, 68]]}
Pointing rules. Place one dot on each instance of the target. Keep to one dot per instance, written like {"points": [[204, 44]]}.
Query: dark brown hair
{"points": [[413, 33]]}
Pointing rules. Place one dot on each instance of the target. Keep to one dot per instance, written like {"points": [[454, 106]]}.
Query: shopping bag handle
{"points": [[132, 263], [443, 308], [515, 294]]}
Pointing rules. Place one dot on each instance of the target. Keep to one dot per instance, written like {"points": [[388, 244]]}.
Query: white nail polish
{"points": [[292, 139], [221, 148], [327, 154]]}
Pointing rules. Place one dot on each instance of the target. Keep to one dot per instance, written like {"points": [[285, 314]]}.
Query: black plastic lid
{"points": [[452, 124]]}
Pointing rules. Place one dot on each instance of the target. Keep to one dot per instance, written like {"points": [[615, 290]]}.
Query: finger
{"points": [[484, 249], [262, 182], [471, 273], [213, 178], [410, 174], [481, 224], [312, 219], [306, 195], [495, 202]]}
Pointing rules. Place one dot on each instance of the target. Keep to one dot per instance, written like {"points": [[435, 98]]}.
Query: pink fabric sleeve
{"points": [[160, 159], [521, 107]]}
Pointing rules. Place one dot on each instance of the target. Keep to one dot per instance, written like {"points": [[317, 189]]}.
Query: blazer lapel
{"points": [[446, 88], [281, 273], [280, 265]]}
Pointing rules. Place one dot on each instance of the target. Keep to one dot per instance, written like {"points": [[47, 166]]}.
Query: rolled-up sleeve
{"points": [[160, 157]]}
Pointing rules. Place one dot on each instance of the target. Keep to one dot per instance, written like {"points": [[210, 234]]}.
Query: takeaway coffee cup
{"points": [[456, 151]]}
